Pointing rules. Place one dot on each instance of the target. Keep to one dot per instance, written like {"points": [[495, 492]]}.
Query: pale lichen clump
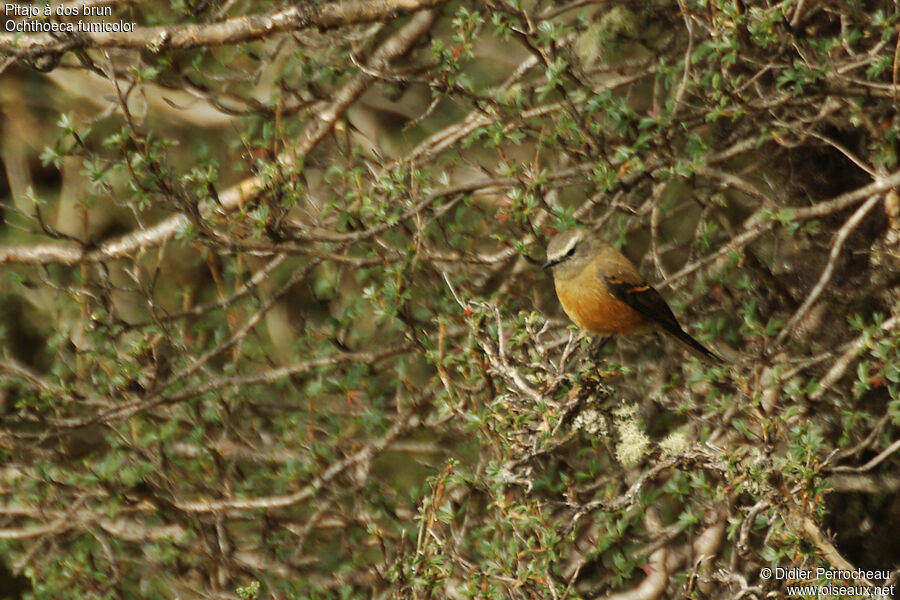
{"points": [[633, 442], [675, 444], [591, 421]]}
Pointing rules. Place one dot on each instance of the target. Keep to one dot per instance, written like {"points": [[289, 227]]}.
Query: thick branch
{"points": [[231, 31], [244, 191]]}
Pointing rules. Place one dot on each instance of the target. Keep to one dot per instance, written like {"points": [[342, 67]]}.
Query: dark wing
{"points": [[643, 298]]}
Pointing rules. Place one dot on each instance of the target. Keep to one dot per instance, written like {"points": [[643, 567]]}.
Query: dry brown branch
{"points": [[828, 271], [159, 398], [654, 585], [231, 31], [840, 366], [805, 526], [236, 196], [865, 483], [403, 423], [759, 223], [351, 375], [874, 462]]}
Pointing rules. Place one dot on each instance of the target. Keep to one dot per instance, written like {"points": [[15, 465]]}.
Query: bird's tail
{"points": [[693, 345]]}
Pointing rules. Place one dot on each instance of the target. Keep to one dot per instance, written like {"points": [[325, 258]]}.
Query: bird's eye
{"points": [[571, 250]]}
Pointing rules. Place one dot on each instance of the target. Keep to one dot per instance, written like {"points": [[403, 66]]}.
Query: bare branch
{"points": [[231, 31]]}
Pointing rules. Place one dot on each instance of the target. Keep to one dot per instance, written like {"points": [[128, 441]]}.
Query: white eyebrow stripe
{"points": [[572, 243]]}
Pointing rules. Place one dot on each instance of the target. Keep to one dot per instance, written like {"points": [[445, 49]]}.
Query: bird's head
{"points": [[570, 251]]}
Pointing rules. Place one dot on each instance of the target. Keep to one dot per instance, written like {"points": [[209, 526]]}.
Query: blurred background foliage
{"points": [[273, 322]]}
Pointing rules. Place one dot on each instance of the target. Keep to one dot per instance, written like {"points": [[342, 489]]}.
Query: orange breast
{"points": [[592, 307]]}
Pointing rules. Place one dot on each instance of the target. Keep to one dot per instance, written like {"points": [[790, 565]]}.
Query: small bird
{"points": [[603, 293]]}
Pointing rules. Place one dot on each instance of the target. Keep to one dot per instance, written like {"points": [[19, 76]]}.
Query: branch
{"points": [[840, 366], [758, 223], [872, 463], [404, 423], [806, 527], [231, 31], [243, 192], [828, 271]]}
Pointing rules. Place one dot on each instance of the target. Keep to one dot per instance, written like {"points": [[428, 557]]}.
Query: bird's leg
{"points": [[597, 346]]}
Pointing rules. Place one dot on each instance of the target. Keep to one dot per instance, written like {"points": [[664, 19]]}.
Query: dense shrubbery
{"points": [[274, 324]]}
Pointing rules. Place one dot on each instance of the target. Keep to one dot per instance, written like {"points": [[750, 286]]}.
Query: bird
{"points": [[603, 293]]}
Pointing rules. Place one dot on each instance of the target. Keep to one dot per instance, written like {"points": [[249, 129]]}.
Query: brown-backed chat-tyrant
{"points": [[603, 293]]}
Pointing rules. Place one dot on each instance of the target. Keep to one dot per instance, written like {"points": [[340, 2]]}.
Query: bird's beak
{"points": [[550, 263]]}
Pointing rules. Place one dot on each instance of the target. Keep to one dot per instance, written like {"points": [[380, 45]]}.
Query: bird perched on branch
{"points": [[603, 293]]}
